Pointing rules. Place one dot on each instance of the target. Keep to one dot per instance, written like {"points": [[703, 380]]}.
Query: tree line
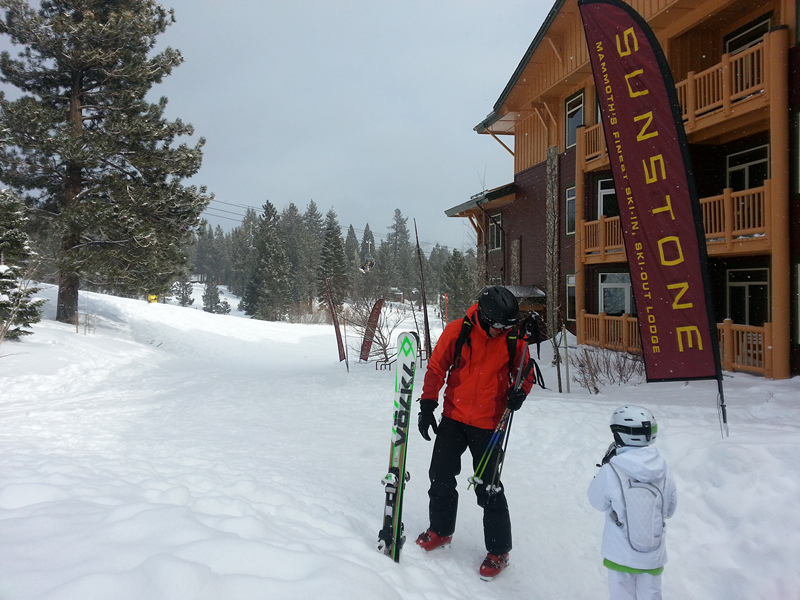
{"points": [[277, 263]]}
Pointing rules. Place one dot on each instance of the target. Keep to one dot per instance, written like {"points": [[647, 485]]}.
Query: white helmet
{"points": [[633, 426]]}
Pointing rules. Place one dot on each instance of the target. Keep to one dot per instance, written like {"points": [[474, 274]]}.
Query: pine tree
{"points": [[384, 273], [292, 230], [267, 290], [204, 252], [242, 252], [18, 310], [403, 254], [211, 296], [333, 262], [351, 248], [437, 261], [368, 247], [311, 242], [95, 156], [182, 290], [458, 284]]}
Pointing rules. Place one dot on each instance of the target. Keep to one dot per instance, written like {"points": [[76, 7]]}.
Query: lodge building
{"points": [[736, 68]]}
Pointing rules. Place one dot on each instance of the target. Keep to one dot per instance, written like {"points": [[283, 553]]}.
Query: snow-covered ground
{"points": [[173, 454]]}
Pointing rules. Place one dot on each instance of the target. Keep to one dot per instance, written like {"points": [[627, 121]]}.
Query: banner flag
{"points": [[369, 332], [335, 320], [659, 209]]}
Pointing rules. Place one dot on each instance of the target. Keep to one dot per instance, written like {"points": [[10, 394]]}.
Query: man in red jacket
{"points": [[479, 388]]}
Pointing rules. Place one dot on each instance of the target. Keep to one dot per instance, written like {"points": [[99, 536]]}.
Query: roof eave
{"points": [[495, 115]]}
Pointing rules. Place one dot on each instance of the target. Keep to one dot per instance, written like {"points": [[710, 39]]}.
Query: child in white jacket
{"points": [[634, 569]]}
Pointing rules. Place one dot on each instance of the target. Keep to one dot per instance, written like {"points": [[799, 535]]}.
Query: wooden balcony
{"points": [[738, 222], [744, 347], [733, 86], [615, 333], [603, 241], [735, 223], [737, 86]]}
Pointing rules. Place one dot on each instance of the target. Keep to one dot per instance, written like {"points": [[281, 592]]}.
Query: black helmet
{"points": [[498, 307]]}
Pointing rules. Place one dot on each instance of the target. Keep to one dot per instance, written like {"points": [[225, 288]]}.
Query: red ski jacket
{"points": [[476, 390]]}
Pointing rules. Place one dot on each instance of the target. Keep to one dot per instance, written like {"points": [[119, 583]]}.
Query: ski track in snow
{"points": [[174, 454]]}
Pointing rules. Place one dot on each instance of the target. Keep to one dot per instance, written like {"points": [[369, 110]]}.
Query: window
{"points": [[748, 36], [571, 298], [573, 118], [495, 231], [570, 211], [616, 294], [748, 169], [748, 296], [607, 204]]}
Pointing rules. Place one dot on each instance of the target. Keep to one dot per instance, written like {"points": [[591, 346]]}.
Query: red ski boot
{"points": [[493, 565], [430, 540]]}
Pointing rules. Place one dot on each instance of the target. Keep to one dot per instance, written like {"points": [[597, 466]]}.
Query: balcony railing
{"points": [[737, 219], [738, 81], [734, 222], [738, 77], [617, 333], [603, 236], [743, 347]]}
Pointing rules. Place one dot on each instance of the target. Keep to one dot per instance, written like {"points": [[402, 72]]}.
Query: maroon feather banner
{"points": [[369, 332], [659, 209]]}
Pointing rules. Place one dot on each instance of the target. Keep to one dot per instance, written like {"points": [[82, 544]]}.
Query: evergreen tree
{"points": [[242, 252], [205, 254], [333, 262], [457, 283], [211, 299], [311, 243], [292, 230], [384, 273], [437, 261], [368, 247], [18, 310], [351, 248], [403, 254], [354, 274], [182, 290], [426, 273], [220, 263], [94, 156], [267, 290]]}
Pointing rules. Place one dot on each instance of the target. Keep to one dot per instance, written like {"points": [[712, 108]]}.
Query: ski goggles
{"points": [[499, 325], [647, 429]]}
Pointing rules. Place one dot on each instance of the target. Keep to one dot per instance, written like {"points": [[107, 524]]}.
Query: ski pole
{"points": [[522, 371], [492, 488], [498, 431], [502, 426]]}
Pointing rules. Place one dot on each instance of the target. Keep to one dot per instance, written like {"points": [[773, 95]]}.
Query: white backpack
{"points": [[643, 506]]}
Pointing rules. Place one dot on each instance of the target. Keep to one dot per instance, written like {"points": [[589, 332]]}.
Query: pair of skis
{"points": [[391, 536]]}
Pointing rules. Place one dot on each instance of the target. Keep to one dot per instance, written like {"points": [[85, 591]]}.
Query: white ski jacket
{"points": [[643, 464]]}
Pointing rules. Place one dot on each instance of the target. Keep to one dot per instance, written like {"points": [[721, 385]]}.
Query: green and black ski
{"points": [[391, 535]]}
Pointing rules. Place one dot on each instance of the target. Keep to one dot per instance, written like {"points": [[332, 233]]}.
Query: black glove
{"points": [[426, 419], [515, 398]]}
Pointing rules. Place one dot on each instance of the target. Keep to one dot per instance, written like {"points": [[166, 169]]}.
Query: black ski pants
{"points": [[452, 439]]}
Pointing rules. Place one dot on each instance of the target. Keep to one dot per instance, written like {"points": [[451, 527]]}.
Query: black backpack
{"points": [[529, 328]]}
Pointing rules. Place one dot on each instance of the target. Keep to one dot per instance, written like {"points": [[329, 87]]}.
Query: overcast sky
{"points": [[363, 106]]}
